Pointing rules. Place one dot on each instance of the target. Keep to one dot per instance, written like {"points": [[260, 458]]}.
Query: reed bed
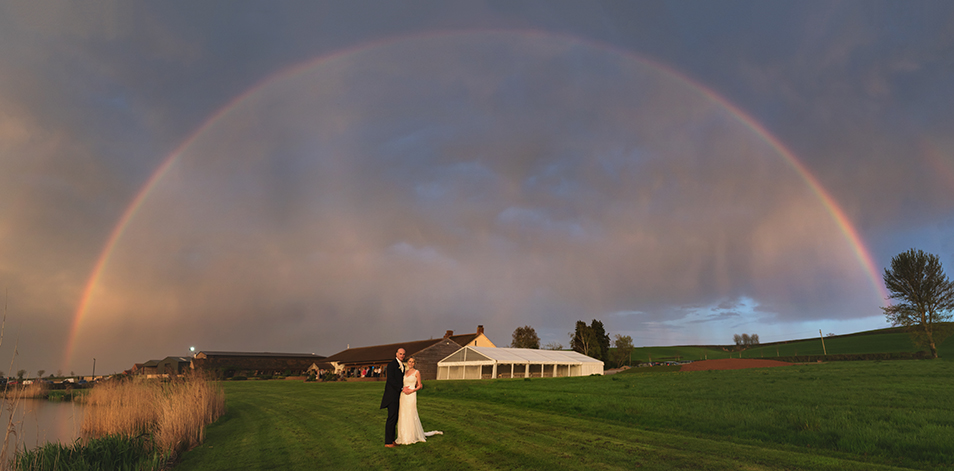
{"points": [[139, 424], [173, 412], [29, 391]]}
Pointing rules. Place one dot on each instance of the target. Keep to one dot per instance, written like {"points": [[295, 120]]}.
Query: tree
{"points": [[624, 349], [525, 337], [39, 374], [602, 339], [553, 346], [590, 340], [926, 294], [745, 340], [20, 374], [582, 340]]}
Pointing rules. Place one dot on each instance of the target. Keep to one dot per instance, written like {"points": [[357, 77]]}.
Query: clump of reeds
{"points": [[36, 390], [173, 412]]}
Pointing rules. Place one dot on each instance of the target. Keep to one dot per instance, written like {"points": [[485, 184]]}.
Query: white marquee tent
{"points": [[487, 363]]}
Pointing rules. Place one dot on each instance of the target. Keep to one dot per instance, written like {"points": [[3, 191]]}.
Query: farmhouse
{"points": [[255, 363], [471, 362], [427, 353]]}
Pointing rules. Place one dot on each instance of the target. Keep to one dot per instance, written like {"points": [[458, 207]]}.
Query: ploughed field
{"points": [[835, 416]]}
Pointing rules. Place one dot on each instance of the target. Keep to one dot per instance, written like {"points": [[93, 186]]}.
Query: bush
{"points": [[329, 376], [239, 378]]}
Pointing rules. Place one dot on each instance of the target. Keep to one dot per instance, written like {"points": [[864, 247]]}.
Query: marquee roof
{"points": [[489, 355]]}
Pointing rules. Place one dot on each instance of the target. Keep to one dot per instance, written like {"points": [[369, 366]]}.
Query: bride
{"points": [[409, 429]]}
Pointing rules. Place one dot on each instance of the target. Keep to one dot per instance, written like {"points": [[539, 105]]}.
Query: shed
{"points": [[489, 363]]}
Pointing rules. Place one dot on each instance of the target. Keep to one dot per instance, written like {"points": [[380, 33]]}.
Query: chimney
{"points": [[480, 329], [448, 334]]}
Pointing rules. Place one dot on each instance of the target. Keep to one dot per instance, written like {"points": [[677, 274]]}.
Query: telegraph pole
{"points": [[823, 342]]}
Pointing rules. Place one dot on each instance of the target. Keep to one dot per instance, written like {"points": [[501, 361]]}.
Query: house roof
{"points": [[464, 339], [178, 359], [517, 356]]}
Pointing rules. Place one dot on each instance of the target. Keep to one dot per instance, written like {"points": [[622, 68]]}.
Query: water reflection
{"points": [[37, 422]]}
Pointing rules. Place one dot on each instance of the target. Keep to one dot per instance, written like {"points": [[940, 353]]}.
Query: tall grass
{"points": [[175, 413]]}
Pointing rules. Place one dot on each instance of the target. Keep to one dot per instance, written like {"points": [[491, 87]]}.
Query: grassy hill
{"points": [[889, 340]]}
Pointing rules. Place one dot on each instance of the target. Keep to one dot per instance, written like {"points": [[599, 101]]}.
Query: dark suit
{"points": [[392, 399]]}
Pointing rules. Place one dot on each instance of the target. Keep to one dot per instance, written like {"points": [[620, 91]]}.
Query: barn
{"points": [[488, 363], [426, 352], [254, 363]]}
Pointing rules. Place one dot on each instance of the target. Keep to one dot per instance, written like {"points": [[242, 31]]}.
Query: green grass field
{"points": [[877, 341], [835, 416]]}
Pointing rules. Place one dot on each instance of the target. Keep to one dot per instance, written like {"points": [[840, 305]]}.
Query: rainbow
{"points": [[843, 222], [942, 165]]}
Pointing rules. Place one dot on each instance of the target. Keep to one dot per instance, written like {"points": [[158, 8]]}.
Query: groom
{"points": [[392, 395]]}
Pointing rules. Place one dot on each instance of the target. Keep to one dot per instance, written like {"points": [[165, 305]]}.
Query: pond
{"points": [[37, 422]]}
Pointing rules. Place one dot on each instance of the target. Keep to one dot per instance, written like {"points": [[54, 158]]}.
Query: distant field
{"points": [[834, 416], [879, 341]]}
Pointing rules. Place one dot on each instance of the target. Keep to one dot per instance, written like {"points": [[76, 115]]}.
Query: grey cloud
{"points": [[415, 181]]}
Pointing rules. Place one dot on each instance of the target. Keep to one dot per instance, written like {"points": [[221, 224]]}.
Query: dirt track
{"points": [[731, 364]]}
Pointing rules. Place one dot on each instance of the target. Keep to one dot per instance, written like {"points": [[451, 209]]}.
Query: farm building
{"points": [[149, 368], [427, 353], [173, 366], [488, 363], [255, 363]]}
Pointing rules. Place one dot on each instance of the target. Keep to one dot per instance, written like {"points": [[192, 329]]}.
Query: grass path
{"points": [[307, 426]]}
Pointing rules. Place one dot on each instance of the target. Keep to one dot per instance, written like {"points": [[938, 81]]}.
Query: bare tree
{"points": [[745, 340]]}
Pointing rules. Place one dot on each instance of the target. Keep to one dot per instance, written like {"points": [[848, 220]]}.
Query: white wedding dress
{"points": [[409, 429]]}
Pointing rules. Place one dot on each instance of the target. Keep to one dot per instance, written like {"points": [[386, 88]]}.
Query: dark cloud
{"points": [[448, 165]]}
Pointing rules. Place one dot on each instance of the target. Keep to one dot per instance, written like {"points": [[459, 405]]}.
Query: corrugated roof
{"points": [[261, 354]]}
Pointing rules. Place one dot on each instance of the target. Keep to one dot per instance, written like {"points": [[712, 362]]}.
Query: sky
{"points": [[310, 176]]}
